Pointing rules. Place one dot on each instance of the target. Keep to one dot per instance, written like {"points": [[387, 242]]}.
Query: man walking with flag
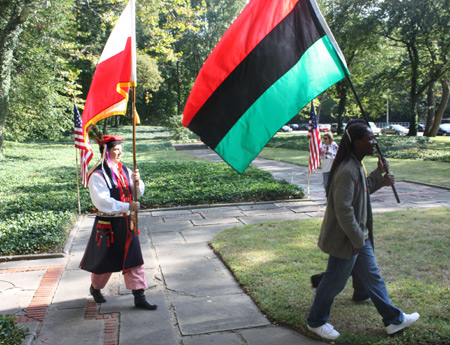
{"points": [[347, 234]]}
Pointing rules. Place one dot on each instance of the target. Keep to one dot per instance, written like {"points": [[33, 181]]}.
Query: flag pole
{"points": [[76, 159], [309, 174], [136, 185], [367, 120], [78, 182]]}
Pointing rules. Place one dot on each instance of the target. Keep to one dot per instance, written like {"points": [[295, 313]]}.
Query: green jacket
{"points": [[341, 231]]}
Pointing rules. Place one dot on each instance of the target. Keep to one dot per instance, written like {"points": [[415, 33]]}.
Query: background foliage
{"points": [[51, 58], [10, 333]]}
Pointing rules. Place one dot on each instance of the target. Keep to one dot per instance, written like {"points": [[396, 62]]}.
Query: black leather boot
{"points": [[97, 294], [141, 302]]}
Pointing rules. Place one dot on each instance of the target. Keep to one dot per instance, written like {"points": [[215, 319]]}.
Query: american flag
{"points": [[85, 150], [314, 141]]}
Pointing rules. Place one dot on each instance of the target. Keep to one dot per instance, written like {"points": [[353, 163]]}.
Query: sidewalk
{"points": [[199, 301]]}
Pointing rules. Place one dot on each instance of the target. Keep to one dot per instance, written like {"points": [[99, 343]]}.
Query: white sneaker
{"points": [[409, 320], [325, 331]]}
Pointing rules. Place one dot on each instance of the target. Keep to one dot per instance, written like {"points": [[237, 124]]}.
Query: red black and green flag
{"points": [[276, 57]]}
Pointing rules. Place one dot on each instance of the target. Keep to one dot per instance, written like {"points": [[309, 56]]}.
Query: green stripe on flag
{"points": [[317, 70]]}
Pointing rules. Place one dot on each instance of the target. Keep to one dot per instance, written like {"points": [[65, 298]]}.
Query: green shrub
{"points": [[10, 333], [177, 131], [190, 183], [34, 232]]}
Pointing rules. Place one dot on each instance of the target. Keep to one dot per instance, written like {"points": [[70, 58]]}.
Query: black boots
{"points": [[141, 302], [139, 298], [97, 294]]}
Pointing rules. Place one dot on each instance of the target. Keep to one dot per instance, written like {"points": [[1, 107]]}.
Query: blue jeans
{"points": [[333, 282], [325, 179]]}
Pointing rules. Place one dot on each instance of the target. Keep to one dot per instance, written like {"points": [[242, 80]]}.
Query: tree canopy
{"points": [[397, 52]]}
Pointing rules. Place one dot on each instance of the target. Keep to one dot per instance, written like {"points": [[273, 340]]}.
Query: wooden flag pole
{"points": [[367, 120], [308, 183], [78, 179], [136, 183]]}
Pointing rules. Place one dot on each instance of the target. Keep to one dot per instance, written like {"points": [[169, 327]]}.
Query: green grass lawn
{"points": [[274, 261]]}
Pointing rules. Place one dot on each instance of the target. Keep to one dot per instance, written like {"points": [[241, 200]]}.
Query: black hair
{"points": [[355, 130], [110, 145]]}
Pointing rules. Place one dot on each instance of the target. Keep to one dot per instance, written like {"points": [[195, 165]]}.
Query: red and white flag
{"points": [[115, 72], [314, 141]]}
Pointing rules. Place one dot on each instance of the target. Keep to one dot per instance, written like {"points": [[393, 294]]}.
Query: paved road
{"points": [[199, 300]]}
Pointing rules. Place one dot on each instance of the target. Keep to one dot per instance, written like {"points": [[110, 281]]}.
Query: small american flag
{"points": [[85, 151], [314, 141]]}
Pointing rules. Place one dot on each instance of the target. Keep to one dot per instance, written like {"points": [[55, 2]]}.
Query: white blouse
{"points": [[327, 160], [101, 197]]}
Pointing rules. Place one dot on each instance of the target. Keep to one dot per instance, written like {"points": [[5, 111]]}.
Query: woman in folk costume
{"points": [[114, 245]]}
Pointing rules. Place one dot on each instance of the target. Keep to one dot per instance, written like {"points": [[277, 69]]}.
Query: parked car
{"points": [[394, 129], [334, 127], [444, 129], [294, 126], [303, 127], [376, 130], [420, 127], [324, 127], [286, 129]]}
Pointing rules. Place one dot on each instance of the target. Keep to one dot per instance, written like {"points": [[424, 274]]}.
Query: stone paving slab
{"points": [[138, 326], [275, 218], [17, 290], [174, 226], [193, 269], [69, 295], [215, 221], [206, 233], [217, 313], [276, 335], [70, 327], [222, 338]]}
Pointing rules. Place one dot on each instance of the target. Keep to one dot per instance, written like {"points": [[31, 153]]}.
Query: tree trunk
{"points": [[431, 103], [179, 111], [105, 126], [414, 59], [342, 90], [442, 106], [9, 37]]}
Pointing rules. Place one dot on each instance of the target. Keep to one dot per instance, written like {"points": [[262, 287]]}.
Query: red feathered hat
{"points": [[110, 140]]}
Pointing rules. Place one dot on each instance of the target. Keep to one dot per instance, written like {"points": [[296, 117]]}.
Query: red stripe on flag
{"points": [[314, 141], [85, 158], [257, 20]]}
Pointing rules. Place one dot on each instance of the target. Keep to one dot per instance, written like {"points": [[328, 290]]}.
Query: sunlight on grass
{"points": [[411, 249]]}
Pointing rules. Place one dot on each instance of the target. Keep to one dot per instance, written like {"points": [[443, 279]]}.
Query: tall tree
{"points": [[434, 117], [43, 83], [181, 34], [422, 29], [347, 20], [13, 15]]}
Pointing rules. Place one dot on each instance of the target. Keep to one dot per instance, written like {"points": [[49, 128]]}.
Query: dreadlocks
{"points": [[355, 129]]}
